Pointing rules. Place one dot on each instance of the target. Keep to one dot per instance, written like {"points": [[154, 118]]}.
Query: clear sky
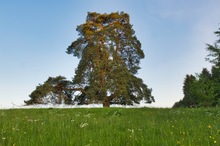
{"points": [[34, 36]]}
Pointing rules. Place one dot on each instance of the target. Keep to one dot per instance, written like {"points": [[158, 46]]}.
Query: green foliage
{"points": [[189, 99], [54, 90], [214, 52], [110, 127], [204, 89], [199, 91], [109, 54]]}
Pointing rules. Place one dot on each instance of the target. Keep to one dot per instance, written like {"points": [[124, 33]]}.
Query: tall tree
{"points": [[214, 58], [109, 54], [189, 99]]}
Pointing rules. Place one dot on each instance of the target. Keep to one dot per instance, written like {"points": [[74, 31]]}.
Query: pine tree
{"points": [[203, 89], [214, 58], [199, 91], [109, 54], [214, 52]]}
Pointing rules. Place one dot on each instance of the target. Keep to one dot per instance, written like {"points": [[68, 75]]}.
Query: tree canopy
{"points": [[109, 54], [214, 51]]}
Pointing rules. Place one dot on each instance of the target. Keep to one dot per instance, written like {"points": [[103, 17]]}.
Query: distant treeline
{"points": [[203, 89]]}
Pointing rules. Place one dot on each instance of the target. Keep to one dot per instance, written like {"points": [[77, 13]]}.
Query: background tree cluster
{"points": [[203, 89], [54, 90], [110, 55]]}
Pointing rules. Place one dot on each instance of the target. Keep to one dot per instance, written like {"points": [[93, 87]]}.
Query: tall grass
{"points": [[110, 127]]}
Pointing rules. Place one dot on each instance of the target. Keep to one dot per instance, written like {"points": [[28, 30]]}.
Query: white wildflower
{"points": [[88, 115], [83, 125], [131, 130]]}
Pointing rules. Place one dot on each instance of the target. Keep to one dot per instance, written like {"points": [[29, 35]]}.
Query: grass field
{"points": [[110, 127]]}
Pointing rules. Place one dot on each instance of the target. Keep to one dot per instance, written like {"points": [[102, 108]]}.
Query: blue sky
{"points": [[34, 36]]}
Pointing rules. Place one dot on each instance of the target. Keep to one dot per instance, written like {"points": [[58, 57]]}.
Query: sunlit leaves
{"points": [[110, 54]]}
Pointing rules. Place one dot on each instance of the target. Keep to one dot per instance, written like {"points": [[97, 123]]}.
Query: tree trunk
{"points": [[106, 102], [60, 98]]}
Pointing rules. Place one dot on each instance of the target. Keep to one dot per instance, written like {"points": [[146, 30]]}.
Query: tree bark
{"points": [[106, 102]]}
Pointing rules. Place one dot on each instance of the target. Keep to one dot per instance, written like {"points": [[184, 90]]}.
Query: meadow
{"points": [[110, 127]]}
